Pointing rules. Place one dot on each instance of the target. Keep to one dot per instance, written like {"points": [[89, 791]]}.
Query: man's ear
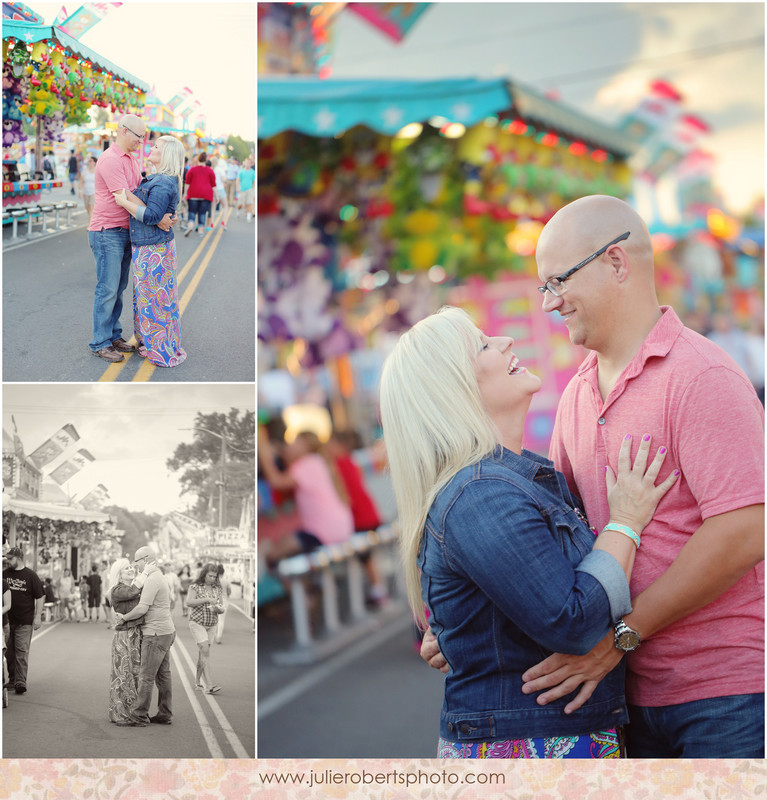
{"points": [[619, 261]]}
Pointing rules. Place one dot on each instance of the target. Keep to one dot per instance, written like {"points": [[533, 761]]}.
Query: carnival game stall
{"points": [[54, 536], [381, 199], [52, 80]]}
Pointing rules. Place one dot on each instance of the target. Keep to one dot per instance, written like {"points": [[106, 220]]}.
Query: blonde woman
{"points": [[496, 547], [155, 290], [124, 594]]}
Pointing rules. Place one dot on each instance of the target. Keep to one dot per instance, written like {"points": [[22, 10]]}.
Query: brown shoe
{"points": [[122, 346], [109, 354]]}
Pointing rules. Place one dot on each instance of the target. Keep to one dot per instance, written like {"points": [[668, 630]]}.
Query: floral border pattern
{"points": [[200, 779]]}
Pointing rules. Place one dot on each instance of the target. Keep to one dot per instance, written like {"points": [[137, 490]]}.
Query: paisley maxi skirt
{"points": [[155, 304], [126, 662]]}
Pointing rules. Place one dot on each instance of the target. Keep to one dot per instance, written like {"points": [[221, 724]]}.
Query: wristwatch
{"points": [[626, 639]]}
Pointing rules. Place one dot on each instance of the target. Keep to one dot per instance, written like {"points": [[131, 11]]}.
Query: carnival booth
{"points": [[54, 536], [52, 80], [379, 200]]}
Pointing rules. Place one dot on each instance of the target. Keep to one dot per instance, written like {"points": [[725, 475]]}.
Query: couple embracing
{"points": [[144, 634], [132, 222]]}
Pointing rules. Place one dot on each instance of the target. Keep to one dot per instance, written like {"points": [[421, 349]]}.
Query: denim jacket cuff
{"points": [[140, 213], [605, 568]]}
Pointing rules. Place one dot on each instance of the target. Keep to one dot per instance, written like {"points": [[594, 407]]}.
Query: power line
{"points": [[112, 411], [696, 54]]}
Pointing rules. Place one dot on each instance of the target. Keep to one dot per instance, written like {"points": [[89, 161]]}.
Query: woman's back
{"points": [[201, 180]]}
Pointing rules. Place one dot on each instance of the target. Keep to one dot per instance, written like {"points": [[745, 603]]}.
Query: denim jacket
{"points": [[509, 576], [160, 195]]}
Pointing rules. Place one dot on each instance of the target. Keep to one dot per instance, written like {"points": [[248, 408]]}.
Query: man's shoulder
{"points": [[693, 355]]}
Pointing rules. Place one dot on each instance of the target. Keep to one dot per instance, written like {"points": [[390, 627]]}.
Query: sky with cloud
{"points": [[131, 430]]}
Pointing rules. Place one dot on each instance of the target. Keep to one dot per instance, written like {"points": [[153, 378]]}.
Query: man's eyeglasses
{"points": [[557, 285], [139, 137]]}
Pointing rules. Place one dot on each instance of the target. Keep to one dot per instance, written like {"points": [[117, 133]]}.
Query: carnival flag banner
{"points": [[21, 13], [18, 446], [60, 17], [65, 471], [96, 498], [52, 448], [179, 99], [88, 15], [394, 19]]}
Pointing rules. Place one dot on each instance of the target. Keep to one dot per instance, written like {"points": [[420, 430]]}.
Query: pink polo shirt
{"points": [[320, 509], [691, 397], [115, 170]]}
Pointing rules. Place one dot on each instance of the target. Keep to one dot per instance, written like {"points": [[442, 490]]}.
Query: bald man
{"points": [[695, 636], [109, 238]]}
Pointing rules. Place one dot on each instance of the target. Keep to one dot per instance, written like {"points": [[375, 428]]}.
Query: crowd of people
{"points": [[138, 597]]}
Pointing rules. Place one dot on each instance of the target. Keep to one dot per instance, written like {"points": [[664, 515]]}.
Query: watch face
{"points": [[628, 640]]}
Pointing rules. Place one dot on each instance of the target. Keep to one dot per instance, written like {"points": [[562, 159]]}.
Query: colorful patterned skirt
{"points": [[126, 662], [602, 744], [155, 304]]}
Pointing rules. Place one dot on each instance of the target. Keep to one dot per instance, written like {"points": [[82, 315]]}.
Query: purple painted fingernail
{"points": [[628, 436], [646, 437], [662, 450], [676, 472]]}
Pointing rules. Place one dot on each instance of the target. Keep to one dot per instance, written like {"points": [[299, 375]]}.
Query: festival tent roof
{"points": [[30, 33], [329, 107], [59, 513]]}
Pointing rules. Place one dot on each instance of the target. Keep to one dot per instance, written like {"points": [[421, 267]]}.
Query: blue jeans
{"points": [[719, 727], [155, 670], [198, 208], [112, 251], [17, 653]]}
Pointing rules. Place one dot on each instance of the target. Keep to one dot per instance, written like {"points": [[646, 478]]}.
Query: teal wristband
{"points": [[625, 530]]}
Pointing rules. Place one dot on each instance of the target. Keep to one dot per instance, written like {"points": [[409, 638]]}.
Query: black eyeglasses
{"points": [[139, 137], [557, 285]]}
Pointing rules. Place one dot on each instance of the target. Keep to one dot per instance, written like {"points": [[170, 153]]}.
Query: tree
{"points": [[218, 465], [100, 117], [136, 524], [239, 148]]}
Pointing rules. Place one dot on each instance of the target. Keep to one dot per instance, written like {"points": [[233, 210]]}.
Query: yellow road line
{"points": [[113, 370], [146, 370], [200, 272]]}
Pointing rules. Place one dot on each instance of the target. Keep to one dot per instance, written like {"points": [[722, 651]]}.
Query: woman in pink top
{"points": [[324, 514]]}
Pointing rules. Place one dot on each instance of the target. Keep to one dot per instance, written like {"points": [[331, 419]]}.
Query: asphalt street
{"points": [[64, 712], [375, 698], [48, 285]]}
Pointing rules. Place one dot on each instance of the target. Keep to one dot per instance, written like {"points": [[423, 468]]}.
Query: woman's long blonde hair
{"points": [[172, 160], [114, 573], [434, 423]]}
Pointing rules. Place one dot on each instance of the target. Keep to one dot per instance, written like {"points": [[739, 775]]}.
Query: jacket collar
{"points": [[527, 464]]}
